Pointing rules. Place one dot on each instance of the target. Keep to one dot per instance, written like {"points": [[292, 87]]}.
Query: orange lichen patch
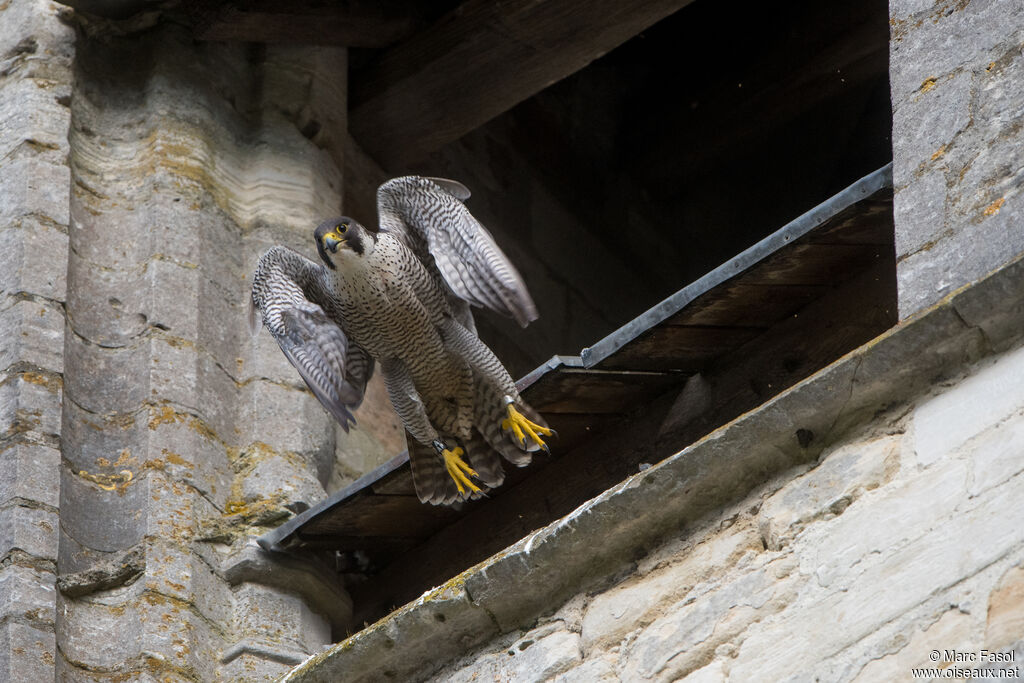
{"points": [[993, 208], [123, 422], [165, 414], [927, 85], [109, 482], [52, 383], [177, 342], [184, 264], [162, 415], [176, 459], [939, 152]]}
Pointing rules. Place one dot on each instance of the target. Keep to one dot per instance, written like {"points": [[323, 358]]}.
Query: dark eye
{"points": [[341, 228]]}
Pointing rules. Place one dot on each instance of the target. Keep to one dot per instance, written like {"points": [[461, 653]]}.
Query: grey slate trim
{"points": [[537, 574]]}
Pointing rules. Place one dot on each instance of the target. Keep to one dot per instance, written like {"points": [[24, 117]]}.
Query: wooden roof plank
{"points": [[400, 516], [478, 61], [354, 23], [684, 349], [867, 186], [589, 392]]}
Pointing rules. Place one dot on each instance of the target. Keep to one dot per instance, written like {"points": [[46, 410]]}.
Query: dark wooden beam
{"points": [[359, 23], [478, 61]]}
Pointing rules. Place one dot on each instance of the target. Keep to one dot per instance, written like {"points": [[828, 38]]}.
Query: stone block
{"points": [[173, 510], [955, 73], [841, 477], [103, 511], [712, 673], [178, 573], [32, 186], [27, 595], [947, 38], [27, 654], [925, 125], [544, 654], [944, 423], [33, 259], [1005, 619], [33, 122], [278, 621], [612, 614], [106, 230], [96, 376], [30, 472], [187, 450], [887, 519], [92, 439], [30, 402], [996, 455], [32, 332], [254, 667], [174, 373], [173, 298], [670, 641], [150, 626], [213, 398], [919, 213], [30, 530], [280, 477], [486, 667], [939, 547], [952, 631], [541, 658], [107, 306], [592, 670], [286, 419], [1000, 324]]}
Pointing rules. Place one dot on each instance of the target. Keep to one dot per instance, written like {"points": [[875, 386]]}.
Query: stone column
{"points": [[957, 77], [183, 436], [36, 50]]}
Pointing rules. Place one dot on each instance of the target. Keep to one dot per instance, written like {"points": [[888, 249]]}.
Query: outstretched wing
{"points": [[287, 294], [428, 214]]}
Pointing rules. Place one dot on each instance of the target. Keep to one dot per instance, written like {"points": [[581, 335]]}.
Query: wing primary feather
{"points": [[286, 294], [429, 216]]}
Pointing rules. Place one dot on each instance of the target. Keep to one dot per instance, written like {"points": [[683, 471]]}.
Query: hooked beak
{"points": [[332, 240]]}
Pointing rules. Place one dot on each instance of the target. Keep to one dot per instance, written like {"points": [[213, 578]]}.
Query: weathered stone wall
{"points": [[958, 98], [904, 538], [146, 436], [36, 51]]}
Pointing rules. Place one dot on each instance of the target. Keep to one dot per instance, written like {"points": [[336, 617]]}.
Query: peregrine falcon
{"points": [[401, 296]]}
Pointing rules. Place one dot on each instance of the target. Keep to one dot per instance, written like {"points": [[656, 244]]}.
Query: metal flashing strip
{"points": [[793, 230], [276, 539]]}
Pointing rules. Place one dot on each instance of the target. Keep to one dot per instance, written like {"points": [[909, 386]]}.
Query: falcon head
{"points": [[343, 237]]}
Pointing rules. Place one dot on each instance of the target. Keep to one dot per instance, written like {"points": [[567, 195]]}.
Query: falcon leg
{"points": [[522, 427], [457, 468]]}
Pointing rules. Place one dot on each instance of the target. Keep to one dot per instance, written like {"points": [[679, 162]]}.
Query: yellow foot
{"points": [[523, 427], [458, 470]]}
